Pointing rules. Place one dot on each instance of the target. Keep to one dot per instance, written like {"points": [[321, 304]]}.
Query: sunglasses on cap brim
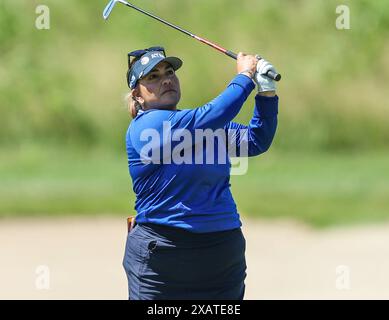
{"points": [[138, 53]]}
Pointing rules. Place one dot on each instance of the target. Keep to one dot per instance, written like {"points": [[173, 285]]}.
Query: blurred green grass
{"points": [[321, 189]]}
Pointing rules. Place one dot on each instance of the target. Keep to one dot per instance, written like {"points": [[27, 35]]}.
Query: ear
{"points": [[136, 95]]}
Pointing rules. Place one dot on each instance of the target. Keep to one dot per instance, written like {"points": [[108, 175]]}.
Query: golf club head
{"points": [[108, 9]]}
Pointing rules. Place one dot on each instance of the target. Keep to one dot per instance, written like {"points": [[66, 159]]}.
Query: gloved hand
{"points": [[264, 83]]}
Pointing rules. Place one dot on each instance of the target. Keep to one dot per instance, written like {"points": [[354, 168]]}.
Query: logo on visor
{"points": [[145, 60], [157, 55]]}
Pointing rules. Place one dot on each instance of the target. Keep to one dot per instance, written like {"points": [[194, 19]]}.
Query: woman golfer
{"points": [[187, 242]]}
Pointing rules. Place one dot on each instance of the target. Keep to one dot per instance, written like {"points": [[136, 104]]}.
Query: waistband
{"points": [[174, 234]]}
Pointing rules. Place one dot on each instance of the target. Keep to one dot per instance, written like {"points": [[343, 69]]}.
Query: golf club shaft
{"points": [[273, 75]]}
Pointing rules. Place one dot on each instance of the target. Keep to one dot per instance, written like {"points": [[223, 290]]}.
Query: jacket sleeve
{"points": [[256, 138], [218, 112]]}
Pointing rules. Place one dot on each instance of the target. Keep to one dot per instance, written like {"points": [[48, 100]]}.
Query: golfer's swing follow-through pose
{"points": [[187, 242]]}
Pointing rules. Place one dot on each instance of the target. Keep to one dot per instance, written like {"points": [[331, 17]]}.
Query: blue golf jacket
{"points": [[174, 182]]}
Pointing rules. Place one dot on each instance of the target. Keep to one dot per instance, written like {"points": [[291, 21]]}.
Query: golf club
{"points": [[108, 9]]}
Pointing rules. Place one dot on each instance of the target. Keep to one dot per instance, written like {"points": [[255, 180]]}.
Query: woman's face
{"points": [[160, 89]]}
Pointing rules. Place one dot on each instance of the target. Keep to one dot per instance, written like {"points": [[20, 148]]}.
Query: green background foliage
{"points": [[63, 119]]}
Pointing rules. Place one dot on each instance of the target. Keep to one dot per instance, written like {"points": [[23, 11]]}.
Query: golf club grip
{"points": [[231, 54], [271, 74]]}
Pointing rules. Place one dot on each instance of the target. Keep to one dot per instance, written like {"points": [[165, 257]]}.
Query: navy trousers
{"points": [[165, 263]]}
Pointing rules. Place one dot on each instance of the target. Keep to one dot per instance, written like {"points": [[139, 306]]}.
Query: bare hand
{"points": [[247, 63]]}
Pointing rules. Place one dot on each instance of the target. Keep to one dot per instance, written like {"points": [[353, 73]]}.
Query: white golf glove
{"points": [[264, 83]]}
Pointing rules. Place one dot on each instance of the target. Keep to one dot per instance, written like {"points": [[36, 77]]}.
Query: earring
{"points": [[138, 106]]}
